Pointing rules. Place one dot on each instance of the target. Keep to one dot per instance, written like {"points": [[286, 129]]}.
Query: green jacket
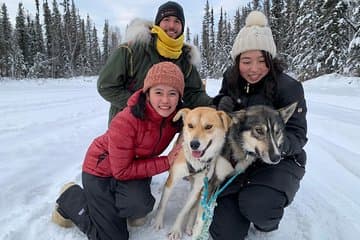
{"points": [[126, 69]]}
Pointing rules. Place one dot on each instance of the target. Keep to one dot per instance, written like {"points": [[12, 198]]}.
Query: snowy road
{"points": [[46, 127]]}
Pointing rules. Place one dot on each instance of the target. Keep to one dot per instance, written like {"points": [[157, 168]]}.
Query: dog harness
{"points": [[209, 204]]}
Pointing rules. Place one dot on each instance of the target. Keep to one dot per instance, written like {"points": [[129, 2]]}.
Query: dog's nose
{"points": [[194, 144], [275, 158]]}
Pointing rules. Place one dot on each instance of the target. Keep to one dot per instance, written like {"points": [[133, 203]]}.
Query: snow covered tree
{"points": [[277, 23], [334, 35], [22, 39], [115, 39], [352, 65], [5, 42], [105, 42], [205, 42]]}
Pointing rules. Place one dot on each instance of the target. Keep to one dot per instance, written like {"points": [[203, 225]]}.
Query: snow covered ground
{"points": [[47, 125]]}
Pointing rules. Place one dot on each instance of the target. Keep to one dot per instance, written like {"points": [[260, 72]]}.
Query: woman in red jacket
{"points": [[119, 164]]}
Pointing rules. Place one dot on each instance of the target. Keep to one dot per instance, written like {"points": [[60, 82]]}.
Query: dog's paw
{"points": [[175, 235], [189, 231], [158, 224]]}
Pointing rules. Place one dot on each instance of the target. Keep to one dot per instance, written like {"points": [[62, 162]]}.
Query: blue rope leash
{"points": [[209, 204]]}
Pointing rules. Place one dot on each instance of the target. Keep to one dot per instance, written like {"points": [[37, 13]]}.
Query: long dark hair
{"points": [[139, 109], [237, 83]]}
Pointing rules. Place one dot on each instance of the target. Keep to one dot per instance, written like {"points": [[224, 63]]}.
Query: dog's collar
{"points": [[193, 171]]}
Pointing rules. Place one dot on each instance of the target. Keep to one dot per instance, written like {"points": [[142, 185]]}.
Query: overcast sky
{"points": [[120, 12]]}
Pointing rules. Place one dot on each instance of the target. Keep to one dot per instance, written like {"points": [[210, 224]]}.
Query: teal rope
{"points": [[209, 204]]}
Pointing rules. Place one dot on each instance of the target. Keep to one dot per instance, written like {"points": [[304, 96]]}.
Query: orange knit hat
{"points": [[165, 73]]}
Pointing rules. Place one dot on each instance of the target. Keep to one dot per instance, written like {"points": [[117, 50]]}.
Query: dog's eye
{"points": [[259, 130], [190, 126], [207, 127]]}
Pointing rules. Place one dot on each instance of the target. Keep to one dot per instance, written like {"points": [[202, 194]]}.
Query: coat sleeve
{"points": [[125, 165], [194, 93], [296, 127], [115, 76]]}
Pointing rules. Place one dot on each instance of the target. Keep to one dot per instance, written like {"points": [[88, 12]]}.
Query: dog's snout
{"points": [[194, 144], [275, 158]]}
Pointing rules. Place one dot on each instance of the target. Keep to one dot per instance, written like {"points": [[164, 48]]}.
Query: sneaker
{"points": [[57, 217], [136, 222]]}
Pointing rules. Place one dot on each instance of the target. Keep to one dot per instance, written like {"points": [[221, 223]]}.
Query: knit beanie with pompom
{"points": [[256, 35], [166, 73]]}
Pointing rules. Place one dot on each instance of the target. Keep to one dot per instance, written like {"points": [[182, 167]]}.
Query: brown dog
{"points": [[204, 134]]}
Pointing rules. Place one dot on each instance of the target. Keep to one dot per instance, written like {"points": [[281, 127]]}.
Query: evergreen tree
{"points": [[236, 25], [335, 38], [205, 43], [39, 37], [58, 52], [22, 38], [96, 53], [5, 42], [48, 31], [308, 38], [266, 7], [115, 39], [277, 22], [256, 5], [353, 60], [105, 42], [187, 35], [290, 13], [196, 40]]}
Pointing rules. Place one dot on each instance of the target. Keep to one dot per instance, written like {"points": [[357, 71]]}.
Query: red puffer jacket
{"points": [[130, 147]]}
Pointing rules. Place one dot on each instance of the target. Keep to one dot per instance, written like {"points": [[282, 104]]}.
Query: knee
{"points": [[136, 207], [263, 206], [227, 222]]}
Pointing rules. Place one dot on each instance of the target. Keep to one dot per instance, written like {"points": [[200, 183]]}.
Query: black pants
{"points": [[101, 208], [261, 205]]}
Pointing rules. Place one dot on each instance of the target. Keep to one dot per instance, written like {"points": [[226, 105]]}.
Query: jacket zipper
{"points": [[161, 128]]}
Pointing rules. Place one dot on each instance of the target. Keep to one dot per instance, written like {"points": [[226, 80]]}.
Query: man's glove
{"points": [[226, 104]]}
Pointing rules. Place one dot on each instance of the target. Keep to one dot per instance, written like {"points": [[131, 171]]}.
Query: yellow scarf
{"points": [[167, 46]]}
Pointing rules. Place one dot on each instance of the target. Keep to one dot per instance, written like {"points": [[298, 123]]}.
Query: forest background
{"points": [[314, 37]]}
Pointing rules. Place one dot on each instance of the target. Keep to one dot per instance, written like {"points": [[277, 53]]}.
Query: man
{"points": [[147, 44]]}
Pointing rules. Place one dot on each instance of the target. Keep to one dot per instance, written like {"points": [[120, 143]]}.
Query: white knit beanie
{"points": [[256, 35]]}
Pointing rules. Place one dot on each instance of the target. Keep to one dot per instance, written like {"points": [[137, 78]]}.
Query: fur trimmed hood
{"points": [[138, 30]]}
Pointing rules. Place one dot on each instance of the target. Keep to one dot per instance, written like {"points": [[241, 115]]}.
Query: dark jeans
{"points": [[101, 208]]}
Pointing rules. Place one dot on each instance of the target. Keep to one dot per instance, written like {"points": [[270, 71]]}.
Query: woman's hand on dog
{"points": [[174, 153]]}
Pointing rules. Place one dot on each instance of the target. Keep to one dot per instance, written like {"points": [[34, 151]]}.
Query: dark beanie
{"points": [[170, 8]]}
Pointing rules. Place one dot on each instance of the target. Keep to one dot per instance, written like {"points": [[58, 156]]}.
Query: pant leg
{"points": [[134, 198], [228, 223], [262, 205], [107, 224], [93, 209]]}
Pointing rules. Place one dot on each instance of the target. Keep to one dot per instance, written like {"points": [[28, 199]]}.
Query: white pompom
{"points": [[256, 18]]}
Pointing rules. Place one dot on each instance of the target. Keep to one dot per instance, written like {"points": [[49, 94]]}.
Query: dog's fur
{"points": [[215, 145], [257, 133], [204, 134]]}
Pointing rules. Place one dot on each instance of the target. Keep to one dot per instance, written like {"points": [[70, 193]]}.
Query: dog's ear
{"points": [[287, 112], [238, 116], [181, 114], [225, 118]]}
